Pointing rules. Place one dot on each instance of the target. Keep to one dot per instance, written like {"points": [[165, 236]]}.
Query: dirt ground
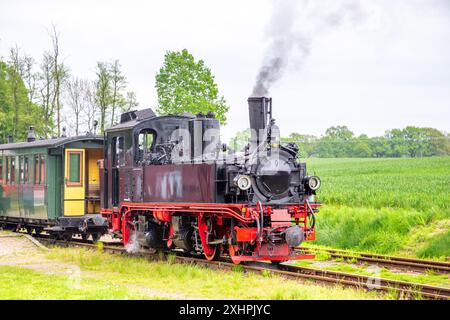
{"points": [[17, 250]]}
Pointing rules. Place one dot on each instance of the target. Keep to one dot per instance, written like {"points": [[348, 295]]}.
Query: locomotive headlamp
{"points": [[314, 183], [243, 182], [275, 145]]}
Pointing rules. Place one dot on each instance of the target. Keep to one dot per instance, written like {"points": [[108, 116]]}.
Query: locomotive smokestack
{"points": [[259, 109], [31, 135]]}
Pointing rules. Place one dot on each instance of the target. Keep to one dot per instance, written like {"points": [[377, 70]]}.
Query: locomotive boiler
{"points": [[168, 183]]}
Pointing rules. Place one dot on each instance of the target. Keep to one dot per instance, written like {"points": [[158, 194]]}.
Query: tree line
{"points": [[48, 96], [341, 142], [45, 94]]}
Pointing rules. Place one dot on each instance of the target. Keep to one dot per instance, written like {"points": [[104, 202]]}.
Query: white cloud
{"points": [[390, 70]]}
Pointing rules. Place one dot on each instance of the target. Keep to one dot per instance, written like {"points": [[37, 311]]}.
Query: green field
{"points": [[385, 205]]}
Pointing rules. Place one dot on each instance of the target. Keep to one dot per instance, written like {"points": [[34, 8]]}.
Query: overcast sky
{"points": [[388, 67]]}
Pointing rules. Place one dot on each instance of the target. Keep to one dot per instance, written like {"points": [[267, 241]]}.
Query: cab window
{"points": [[146, 141], [118, 151]]}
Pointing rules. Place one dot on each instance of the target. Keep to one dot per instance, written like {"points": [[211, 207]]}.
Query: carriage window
{"points": [[21, 169], [39, 169], [12, 179], [36, 169], [146, 139], [1, 171], [25, 170], [6, 170], [74, 167], [42, 175]]}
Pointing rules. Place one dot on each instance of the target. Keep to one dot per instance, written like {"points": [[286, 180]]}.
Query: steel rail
{"points": [[404, 290], [383, 260]]}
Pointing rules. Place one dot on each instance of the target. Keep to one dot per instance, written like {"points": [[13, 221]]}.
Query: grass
{"points": [[430, 277], [386, 206], [18, 283], [440, 245], [194, 281], [418, 184], [383, 230]]}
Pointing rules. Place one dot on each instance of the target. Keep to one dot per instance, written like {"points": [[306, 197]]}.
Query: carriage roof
{"points": [[49, 143]]}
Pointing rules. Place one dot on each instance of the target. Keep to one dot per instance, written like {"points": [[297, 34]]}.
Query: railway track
{"points": [[407, 264], [403, 289]]}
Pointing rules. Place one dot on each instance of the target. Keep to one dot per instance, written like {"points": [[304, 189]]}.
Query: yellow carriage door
{"points": [[74, 183]]}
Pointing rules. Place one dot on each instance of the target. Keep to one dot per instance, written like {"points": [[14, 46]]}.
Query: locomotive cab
{"points": [[160, 159]]}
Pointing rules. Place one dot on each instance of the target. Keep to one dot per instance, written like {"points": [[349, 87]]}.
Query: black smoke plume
{"points": [[293, 26]]}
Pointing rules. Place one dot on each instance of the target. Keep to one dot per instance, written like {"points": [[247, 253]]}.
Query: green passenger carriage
{"points": [[52, 185]]}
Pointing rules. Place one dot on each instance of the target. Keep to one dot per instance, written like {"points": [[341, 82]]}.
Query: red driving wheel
{"points": [[206, 225], [212, 253], [234, 252]]}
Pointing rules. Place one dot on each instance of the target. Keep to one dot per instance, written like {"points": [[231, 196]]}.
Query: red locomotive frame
{"points": [[122, 219]]}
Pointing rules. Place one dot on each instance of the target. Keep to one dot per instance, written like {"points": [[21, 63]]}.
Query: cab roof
{"points": [[132, 118]]}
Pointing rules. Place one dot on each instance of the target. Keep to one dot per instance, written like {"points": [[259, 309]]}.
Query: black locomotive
{"points": [[169, 181]]}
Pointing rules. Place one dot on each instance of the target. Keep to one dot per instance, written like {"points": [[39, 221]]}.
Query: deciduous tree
{"points": [[240, 140], [59, 74], [130, 102], [78, 98], [118, 83], [103, 93], [186, 85], [17, 113], [46, 92]]}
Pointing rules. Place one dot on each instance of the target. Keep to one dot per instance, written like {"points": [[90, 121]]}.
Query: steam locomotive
{"points": [[165, 183], [168, 183]]}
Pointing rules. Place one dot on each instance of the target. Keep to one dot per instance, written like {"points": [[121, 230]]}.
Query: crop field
{"points": [[397, 206]]}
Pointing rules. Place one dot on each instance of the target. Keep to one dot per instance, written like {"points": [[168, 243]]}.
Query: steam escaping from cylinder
{"points": [[293, 27], [133, 245]]}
